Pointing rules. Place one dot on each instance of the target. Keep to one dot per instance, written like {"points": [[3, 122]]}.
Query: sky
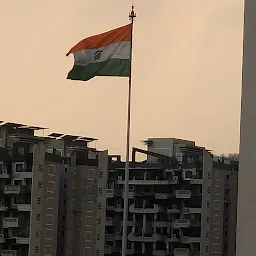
{"points": [[187, 60]]}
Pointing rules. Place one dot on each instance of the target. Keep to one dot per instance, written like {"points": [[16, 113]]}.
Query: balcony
{"points": [[118, 236], [195, 210], [24, 207], [181, 252], [2, 240], [181, 223], [12, 189], [109, 237], [22, 240], [159, 253], [111, 207], [154, 209], [196, 181], [148, 182], [109, 221], [150, 239], [108, 249], [8, 253], [161, 195], [162, 224], [10, 222], [183, 194], [110, 193]]}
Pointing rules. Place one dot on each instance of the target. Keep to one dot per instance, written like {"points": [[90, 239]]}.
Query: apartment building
{"points": [[176, 202], [52, 199]]}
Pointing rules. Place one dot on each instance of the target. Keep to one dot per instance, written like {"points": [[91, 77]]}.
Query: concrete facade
{"points": [[247, 162]]}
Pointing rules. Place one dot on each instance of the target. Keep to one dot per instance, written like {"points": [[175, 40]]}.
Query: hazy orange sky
{"points": [[186, 70]]}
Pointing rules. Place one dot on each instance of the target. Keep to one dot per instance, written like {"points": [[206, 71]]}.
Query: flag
{"points": [[106, 54]]}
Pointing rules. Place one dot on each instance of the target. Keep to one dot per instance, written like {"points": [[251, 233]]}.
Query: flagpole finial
{"points": [[132, 14]]}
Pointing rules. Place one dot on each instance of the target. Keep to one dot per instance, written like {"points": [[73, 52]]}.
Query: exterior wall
{"points": [[205, 246], [247, 161], [86, 207], [217, 211]]}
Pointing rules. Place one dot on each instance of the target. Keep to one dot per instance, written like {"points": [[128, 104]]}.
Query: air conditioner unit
{"points": [[174, 206], [175, 178], [119, 178], [174, 236]]}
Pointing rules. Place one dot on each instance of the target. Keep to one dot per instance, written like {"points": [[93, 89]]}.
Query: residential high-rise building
{"points": [[177, 202]]}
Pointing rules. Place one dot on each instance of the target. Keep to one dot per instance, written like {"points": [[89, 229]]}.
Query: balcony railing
{"points": [[10, 222], [162, 224], [149, 182], [109, 221], [24, 207], [22, 240], [159, 253], [189, 239], [149, 238], [8, 253], [154, 209], [12, 189], [181, 252], [181, 223], [161, 195], [183, 193], [110, 193], [108, 249]]}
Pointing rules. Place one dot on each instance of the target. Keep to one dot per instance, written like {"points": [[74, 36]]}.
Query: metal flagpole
{"points": [[132, 15]]}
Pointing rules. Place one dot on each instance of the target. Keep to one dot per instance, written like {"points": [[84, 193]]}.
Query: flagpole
{"points": [[132, 15]]}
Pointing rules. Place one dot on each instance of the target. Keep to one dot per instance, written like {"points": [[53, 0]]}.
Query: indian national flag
{"points": [[106, 54]]}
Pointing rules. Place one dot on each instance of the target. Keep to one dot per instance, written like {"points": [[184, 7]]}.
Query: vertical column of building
{"points": [[101, 176], [49, 225], [36, 234], [71, 171], [206, 204], [217, 210]]}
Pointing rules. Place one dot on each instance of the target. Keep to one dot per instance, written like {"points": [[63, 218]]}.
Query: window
{"points": [[98, 252], [87, 251], [89, 206], [188, 174], [216, 233], [99, 221], [89, 190], [48, 234], [51, 170], [64, 201], [101, 174], [66, 169], [206, 234], [207, 220], [40, 168], [227, 177], [19, 167], [49, 203], [209, 176], [39, 184], [98, 237], [50, 186], [38, 216], [206, 248], [47, 250], [72, 202], [65, 185], [37, 232], [88, 221], [36, 249], [1, 168], [21, 151], [64, 217], [63, 233], [208, 190], [39, 200], [100, 191], [88, 236], [91, 174], [49, 219], [99, 206], [208, 204], [73, 185]]}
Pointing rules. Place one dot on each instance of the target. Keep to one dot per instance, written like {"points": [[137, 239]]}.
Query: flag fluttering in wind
{"points": [[106, 54]]}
